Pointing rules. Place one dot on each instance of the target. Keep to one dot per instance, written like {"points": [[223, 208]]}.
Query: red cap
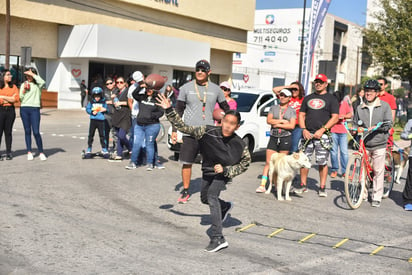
{"points": [[321, 77]]}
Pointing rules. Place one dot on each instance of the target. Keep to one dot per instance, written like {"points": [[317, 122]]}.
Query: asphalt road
{"points": [[72, 216]]}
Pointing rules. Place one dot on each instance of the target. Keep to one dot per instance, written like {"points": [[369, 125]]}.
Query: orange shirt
{"points": [[7, 91]]}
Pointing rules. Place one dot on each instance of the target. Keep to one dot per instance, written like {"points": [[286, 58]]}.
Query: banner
{"points": [[318, 13]]}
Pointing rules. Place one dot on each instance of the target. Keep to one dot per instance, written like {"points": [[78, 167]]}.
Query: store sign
{"points": [[168, 2], [274, 43]]}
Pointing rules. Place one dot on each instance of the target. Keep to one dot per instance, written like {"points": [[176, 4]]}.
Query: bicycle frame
{"points": [[366, 165]]}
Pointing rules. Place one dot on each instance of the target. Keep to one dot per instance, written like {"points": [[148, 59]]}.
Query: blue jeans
{"points": [[146, 134], [296, 136], [30, 116], [122, 141], [341, 141]]}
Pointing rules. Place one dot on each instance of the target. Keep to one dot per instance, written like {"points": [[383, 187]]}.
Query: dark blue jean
{"points": [[122, 140], [147, 134], [296, 136], [30, 116]]}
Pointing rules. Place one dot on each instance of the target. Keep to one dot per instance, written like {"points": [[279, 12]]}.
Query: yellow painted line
{"points": [[307, 237], [410, 260], [341, 243], [246, 227], [377, 250], [275, 232]]}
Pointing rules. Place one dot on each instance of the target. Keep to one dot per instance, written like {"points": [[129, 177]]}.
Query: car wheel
{"points": [[249, 143]]}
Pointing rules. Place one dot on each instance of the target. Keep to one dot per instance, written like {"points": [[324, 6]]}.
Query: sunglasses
{"points": [[119, 82], [319, 82], [201, 70], [293, 89], [109, 83], [225, 89], [283, 95]]}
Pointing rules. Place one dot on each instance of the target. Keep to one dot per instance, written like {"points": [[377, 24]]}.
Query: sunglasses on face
{"points": [[225, 89], [109, 83], [282, 95], [319, 82], [200, 70], [119, 82], [293, 89]]}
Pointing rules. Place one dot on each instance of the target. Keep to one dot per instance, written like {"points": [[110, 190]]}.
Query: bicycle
{"points": [[359, 172]]}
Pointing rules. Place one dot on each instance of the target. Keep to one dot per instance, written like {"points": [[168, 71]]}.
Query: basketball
{"points": [[155, 81], [218, 114]]}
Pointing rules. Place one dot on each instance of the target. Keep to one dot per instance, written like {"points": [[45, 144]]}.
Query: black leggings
{"points": [[7, 117]]}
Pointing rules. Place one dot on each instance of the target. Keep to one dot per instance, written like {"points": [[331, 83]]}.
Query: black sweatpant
{"points": [[407, 191], [100, 126], [7, 118]]}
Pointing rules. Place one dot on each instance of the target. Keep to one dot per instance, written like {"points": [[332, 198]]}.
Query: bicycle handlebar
{"points": [[362, 129]]}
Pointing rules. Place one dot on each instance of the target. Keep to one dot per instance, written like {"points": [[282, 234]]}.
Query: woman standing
{"points": [[339, 137], [295, 102], [282, 119], [225, 86], [9, 95], [147, 125], [30, 94], [121, 118]]}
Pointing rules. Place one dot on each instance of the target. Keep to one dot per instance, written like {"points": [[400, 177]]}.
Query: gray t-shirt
{"points": [[288, 114], [193, 114]]}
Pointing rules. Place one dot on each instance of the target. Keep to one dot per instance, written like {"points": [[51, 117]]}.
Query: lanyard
{"points": [[204, 98]]}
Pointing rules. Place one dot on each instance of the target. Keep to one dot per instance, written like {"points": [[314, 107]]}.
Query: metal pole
{"points": [[7, 61], [302, 42], [339, 62], [357, 69]]}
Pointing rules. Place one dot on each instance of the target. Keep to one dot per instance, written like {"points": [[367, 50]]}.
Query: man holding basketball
{"points": [[196, 102]]}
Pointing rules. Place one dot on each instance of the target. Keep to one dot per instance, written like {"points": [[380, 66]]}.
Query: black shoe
{"points": [[226, 210], [9, 157], [216, 244]]}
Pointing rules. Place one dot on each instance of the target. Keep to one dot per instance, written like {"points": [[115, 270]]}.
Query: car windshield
{"points": [[244, 101]]}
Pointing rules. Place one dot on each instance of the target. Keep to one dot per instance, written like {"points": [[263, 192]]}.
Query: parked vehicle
{"points": [[253, 105]]}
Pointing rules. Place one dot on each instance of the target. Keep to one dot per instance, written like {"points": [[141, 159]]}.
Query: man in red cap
{"points": [[318, 113]]}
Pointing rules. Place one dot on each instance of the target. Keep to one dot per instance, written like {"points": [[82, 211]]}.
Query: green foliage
{"points": [[389, 41], [399, 93]]}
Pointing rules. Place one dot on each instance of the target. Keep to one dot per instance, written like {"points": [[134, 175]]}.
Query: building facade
{"points": [[91, 39], [273, 54]]}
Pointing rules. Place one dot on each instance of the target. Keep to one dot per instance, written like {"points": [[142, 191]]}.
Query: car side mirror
{"points": [[265, 111]]}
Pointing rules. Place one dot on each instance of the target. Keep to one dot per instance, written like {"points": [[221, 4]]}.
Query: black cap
{"points": [[203, 64]]}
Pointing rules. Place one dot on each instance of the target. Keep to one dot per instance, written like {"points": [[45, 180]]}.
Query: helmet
{"points": [[372, 84], [97, 91]]}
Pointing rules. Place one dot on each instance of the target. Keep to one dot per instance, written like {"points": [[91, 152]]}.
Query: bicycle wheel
{"points": [[161, 134], [354, 182], [389, 175]]}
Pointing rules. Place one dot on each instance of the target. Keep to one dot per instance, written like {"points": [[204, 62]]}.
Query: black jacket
{"points": [[149, 112]]}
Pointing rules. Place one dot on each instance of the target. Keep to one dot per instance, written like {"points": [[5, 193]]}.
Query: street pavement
{"points": [[67, 215]]}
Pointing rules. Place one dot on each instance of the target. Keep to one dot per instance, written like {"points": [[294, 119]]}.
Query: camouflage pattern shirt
{"points": [[231, 152]]}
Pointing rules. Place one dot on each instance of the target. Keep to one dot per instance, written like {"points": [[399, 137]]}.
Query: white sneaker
{"points": [[30, 156], [42, 156]]}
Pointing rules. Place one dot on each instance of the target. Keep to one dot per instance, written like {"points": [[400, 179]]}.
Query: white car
{"points": [[253, 105]]}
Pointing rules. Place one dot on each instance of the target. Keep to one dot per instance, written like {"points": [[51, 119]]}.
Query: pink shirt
{"points": [[339, 127], [232, 105]]}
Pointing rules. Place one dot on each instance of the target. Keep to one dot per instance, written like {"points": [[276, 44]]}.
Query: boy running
{"points": [[225, 156]]}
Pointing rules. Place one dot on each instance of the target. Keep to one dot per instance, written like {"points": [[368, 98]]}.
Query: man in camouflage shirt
{"points": [[225, 156]]}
